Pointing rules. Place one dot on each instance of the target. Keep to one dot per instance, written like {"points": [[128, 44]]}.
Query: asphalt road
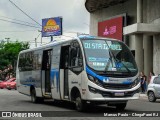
{"points": [[11, 100]]}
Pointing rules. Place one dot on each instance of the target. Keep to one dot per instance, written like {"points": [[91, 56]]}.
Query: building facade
{"points": [[141, 31]]}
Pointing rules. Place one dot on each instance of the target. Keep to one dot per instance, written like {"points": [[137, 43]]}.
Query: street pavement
{"points": [[11, 100]]}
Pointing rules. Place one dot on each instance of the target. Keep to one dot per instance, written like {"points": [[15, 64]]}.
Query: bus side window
{"points": [[21, 62], [29, 61], [73, 57], [76, 62]]}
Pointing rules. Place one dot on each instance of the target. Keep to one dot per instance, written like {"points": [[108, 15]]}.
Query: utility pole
{"points": [[35, 42], [51, 38], [41, 35]]}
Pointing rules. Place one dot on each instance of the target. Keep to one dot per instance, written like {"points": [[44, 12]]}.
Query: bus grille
{"points": [[117, 86]]}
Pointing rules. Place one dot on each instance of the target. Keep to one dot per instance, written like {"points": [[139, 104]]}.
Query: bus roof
{"points": [[54, 43]]}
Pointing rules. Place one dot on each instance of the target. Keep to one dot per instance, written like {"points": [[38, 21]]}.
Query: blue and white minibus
{"points": [[83, 70]]}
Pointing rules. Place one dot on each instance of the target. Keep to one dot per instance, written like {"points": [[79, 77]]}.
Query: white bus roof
{"points": [[47, 45], [66, 40]]}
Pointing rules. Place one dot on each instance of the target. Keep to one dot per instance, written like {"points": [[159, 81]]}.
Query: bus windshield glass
{"points": [[108, 55]]}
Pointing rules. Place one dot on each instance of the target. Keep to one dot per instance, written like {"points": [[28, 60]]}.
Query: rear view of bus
{"points": [[111, 73]]}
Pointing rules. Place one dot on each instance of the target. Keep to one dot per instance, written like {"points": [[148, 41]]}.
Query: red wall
{"points": [[112, 28]]}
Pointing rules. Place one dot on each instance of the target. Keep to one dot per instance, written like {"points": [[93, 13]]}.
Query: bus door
{"points": [[64, 65], [46, 67], [69, 69], [75, 66]]}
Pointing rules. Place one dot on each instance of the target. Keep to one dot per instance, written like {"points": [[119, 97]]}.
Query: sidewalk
{"points": [[143, 96]]}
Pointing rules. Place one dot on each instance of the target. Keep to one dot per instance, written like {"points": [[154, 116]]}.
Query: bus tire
{"points": [[80, 104], [121, 106], [34, 99]]}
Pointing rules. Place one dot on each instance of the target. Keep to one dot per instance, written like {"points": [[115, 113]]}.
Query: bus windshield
{"points": [[108, 55]]}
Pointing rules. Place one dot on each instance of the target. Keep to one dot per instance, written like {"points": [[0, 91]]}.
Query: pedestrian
{"points": [[143, 82], [7, 77], [150, 76]]}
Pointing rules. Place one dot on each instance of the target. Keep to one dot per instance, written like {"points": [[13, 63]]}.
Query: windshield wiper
{"points": [[129, 71], [117, 61], [108, 63]]}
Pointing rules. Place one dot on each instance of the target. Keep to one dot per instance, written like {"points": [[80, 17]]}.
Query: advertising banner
{"points": [[112, 28], [51, 27]]}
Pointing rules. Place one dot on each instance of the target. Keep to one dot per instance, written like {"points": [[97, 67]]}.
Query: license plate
{"points": [[119, 94]]}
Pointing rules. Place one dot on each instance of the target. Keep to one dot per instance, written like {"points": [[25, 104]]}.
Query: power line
{"points": [[24, 12], [19, 23], [32, 41], [20, 31], [16, 20]]}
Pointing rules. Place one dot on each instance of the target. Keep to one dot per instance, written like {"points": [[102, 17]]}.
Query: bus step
{"points": [[47, 95], [65, 97]]}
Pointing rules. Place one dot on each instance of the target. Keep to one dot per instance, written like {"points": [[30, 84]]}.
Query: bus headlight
{"points": [[91, 78], [136, 82], [94, 80]]}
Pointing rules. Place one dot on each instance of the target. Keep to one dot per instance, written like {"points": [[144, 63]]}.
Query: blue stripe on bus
{"points": [[55, 73], [101, 78], [90, 72]]}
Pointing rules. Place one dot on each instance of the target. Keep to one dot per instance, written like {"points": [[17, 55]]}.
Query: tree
{"points": [[9, 52]]}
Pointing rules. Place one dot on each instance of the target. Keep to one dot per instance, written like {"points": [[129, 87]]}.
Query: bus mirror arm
{"points": [[80, 62]]}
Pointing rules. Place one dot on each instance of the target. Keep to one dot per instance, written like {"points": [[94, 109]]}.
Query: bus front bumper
{"points": [[95, 94]]}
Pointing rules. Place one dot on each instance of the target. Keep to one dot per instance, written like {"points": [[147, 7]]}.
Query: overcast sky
{"points": [[75, 17]]}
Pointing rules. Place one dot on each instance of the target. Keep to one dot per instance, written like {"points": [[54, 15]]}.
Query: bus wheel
{"points": [[80, 104], [33, 96], [121, 106]]}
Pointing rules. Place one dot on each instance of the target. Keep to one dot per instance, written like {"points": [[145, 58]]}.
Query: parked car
{"points": [[153, 90], [4, 83], [11, 85]]}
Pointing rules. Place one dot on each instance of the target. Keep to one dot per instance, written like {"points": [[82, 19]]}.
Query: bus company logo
{"points": [[106, 80], [51, 26]]}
